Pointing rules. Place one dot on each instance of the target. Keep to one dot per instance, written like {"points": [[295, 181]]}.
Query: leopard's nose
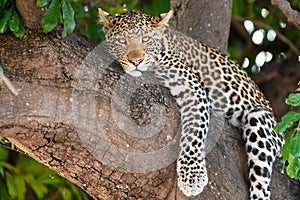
{"points": [[136, 62], [136, 56]]}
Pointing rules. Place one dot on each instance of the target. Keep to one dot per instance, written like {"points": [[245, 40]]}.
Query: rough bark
{"points": [[51, 121], [40, 120], [205, 20]]}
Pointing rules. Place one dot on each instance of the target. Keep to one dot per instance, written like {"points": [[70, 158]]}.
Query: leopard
{"points": [[202, 80]]}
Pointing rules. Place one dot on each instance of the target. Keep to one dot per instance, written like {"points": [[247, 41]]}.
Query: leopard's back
{"points": [[228, 86]]}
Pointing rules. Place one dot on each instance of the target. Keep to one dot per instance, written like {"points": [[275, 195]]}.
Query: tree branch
{"points": [[292, 15], [51, 118]]}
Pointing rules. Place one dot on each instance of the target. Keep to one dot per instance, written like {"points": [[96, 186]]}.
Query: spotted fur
{"points": [[201, 79]]}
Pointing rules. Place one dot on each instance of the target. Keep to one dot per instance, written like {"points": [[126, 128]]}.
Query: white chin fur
{"points": [[143, 68], [134, 73]]}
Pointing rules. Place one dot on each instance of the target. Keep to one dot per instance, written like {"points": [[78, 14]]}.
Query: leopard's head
{"points": [[134, 38]]}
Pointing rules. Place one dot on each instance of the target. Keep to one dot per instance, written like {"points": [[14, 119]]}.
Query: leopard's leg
{"points": [[191, 169], [262, 145], [194, 107]]}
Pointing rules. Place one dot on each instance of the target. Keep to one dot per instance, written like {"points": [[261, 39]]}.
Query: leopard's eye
{"points": [[121, 41], [146, 38]]}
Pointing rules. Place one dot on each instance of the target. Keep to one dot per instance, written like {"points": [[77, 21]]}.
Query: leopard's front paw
{"points": [[191, 178]]}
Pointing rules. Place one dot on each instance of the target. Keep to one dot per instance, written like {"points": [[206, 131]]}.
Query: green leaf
{"points": [[3, 151], [293, 99], [294, 147], [287, 121], [9, 167], [50, 179], [68, 18], [293, 169], [74, 189], [42, 3], [5, 20], [16, 25], [39, 189], [285, 149], [16, 186], [3, 191], [291, 153], [65, 193], [20, 186], [2, 172], [51, 16]]}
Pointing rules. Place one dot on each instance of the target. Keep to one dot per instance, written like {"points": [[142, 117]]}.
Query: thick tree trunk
{"points": [[207, 21], [78, 113]]}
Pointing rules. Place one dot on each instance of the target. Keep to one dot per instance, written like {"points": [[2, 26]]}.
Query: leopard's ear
{"points": [[103, 18], [165, 18]]}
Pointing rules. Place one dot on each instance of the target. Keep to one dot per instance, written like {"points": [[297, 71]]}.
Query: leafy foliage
{"points": [[24, 178], [74, 15], [9, 18], [87, 16], [58, 11], [291, 148], [68, 18], [51, 16], [295, 4], [87, 21]]}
